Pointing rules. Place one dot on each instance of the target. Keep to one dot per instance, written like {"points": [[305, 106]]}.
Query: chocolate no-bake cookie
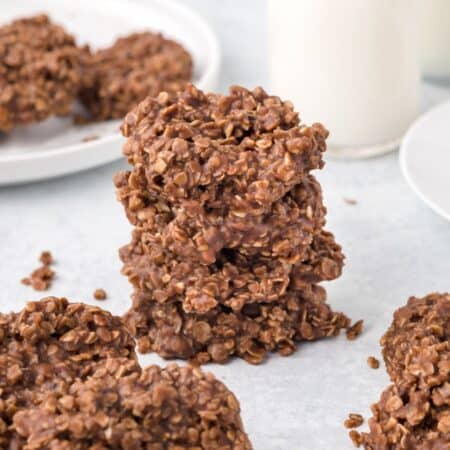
{"points": [[250, 332], [414, 412], [421, 323], [39, 71], [195, 232], [228, 245], [47, 346], [117, 78], [237, 153], [233, 280], [70, 380], [171, 408], [415, 416]]}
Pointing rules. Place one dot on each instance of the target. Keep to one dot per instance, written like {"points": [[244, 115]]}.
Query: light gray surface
{"points": [[395, 247]]}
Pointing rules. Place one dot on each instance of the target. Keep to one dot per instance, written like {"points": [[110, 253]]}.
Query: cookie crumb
{"points": [[350, 201], [92, 137], [355, 436], [354, 420], [373, 362], [355, 330], [100, 294], [46, 258], [41, 278]]}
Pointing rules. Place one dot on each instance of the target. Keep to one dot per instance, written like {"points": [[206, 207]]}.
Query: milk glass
{"points": [[352, 65], [435, 39]]}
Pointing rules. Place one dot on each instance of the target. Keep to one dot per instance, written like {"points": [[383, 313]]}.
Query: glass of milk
{"points": [[352, 65], [435, 39]]}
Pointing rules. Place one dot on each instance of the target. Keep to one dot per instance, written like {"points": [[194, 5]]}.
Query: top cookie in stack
{"points": [[228, 245]]}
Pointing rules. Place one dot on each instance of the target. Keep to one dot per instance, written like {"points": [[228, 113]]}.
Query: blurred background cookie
{"points": [[39, 71], [117, 78]]}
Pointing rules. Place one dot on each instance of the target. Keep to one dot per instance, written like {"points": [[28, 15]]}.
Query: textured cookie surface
{"points": [[39, 71], [423, 322], [228, 245], [117, 78], [171, 408], [414, 412], [48, 345]]}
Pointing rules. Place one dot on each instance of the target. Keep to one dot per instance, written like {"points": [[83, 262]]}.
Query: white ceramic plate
{"points": [[57, 147], [425, 158]]}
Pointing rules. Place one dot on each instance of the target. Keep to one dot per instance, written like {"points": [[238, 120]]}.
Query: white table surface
{"points": [[395, 247]]}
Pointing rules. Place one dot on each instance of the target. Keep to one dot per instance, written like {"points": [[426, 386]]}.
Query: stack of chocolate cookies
{"points": [[228, 245]]}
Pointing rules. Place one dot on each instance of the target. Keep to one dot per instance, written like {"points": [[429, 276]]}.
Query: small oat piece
{"points": [[46, 258], [354, 421], [40, 279], [355, 330], [356, 438], [39, 71], [373, 362], [350, 201], [100, 294], [92, 137], [171, 408], [117, 78]]}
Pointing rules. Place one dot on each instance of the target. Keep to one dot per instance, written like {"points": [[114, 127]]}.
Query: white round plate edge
{"points": [[9, 173], [403, 161]]}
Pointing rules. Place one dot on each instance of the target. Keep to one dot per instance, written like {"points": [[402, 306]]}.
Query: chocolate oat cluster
{"points": [[414, 412], [69, 380], [39, 71], [42, 72], [228, 245], [117, 78]]}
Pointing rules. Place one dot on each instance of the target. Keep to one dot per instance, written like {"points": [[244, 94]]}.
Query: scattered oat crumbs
{"points": [[100, 294], [373, 362], [350, 201], [354, 421], [355, 330], [41, 278], [92, 137], [46, 258], [356, 438]]}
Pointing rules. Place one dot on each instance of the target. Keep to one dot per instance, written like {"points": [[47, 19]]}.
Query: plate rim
{"points": [[403, 151], [207, 77]]}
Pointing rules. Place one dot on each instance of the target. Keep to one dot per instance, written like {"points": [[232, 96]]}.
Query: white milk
{"points": [[435, 28], [351, 64]]}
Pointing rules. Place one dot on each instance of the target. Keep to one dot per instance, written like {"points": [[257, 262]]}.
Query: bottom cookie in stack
{"points": [[252, 332]]}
